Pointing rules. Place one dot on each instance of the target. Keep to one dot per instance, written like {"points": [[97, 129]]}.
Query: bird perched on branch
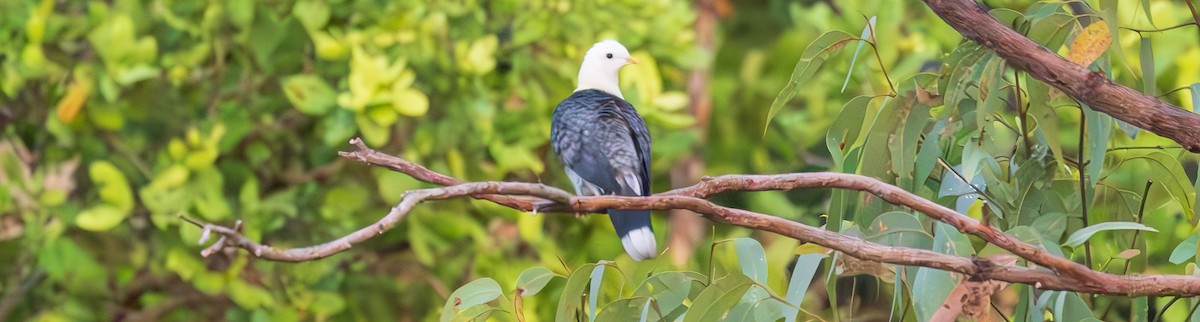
{"points": [[604, 145]]}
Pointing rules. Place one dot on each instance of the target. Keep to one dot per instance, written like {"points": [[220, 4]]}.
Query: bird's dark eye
{"points": [[609, 55]]}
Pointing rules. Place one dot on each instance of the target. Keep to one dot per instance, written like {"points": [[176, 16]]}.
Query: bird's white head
{"points": [[600, 67]]}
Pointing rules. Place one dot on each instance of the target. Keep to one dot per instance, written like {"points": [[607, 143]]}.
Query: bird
{"points": [[604, 145]]}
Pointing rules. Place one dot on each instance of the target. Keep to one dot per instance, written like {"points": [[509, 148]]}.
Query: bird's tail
{"points": [[636, 233]]}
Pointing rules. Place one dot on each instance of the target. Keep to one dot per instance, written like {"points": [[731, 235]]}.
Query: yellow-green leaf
{"points": [[100, 218], [410, 102], [1091, 42]]}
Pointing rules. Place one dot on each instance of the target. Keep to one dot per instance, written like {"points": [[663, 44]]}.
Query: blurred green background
{"points": [[120, 116]]}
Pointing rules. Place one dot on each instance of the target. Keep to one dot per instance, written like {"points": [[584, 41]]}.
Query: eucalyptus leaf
{"points": [[476, 292], [810, 61], [752, 259], [1080, 236], [712, 303], [1186, 249], [533, 279]]}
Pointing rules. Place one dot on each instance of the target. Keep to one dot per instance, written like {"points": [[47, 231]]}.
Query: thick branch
{"points": [[1093, 89], [690, 198], [713, 185]]}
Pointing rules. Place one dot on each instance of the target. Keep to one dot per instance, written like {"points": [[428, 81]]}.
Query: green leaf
{"points": [[718, 298], [752, 259], [931, 286], [669, 291], [843, 133], [867, 32], [594, 290], [898, 228], [114, 189], [249, 296], [1147, 59], [533, 279], [810, 61], [1044, 114], [476, 292], [100, 218], [312, 14], [1082, 235], [630, 309], [1195, 89], [802, 275], [410, 102], [1070, 307], [568, 302], [1167, 171], [309, 94], [1051, 225], [1186, 249]]}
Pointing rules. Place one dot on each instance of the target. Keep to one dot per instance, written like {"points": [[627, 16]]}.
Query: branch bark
{"points": [[1093, 89], [1065, 275]]}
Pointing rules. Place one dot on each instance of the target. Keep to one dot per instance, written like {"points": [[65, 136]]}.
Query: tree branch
{"points": [[1093, 89], [1070, 276]]}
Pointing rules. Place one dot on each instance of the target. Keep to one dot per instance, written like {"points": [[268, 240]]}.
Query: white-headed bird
{"points": [[604, 145]]}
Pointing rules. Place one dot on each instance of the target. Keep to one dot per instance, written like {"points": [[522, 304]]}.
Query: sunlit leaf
{"points": [[309, 94], [1089, 44]]}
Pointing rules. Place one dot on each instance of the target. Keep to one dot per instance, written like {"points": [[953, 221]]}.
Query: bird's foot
{"points": [[542, 206]]}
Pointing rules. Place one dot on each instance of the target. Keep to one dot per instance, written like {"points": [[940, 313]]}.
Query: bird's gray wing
{"points": [[603, 142]]}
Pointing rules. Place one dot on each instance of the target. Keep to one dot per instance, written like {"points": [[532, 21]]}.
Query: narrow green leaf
{"points": [[930, 150], [568, 302], [1099, 128], [810, 61], [718, 298], [866, 34], [802, 275], [1186, 249], [1148, 77], [594, 292], [476, 292], [1082, 235], [1139, 309], [752, 259], [1146, 11], [533, 279], [1195, 88]]}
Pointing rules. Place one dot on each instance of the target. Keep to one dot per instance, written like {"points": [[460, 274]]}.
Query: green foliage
{"points": [[121, 116]]}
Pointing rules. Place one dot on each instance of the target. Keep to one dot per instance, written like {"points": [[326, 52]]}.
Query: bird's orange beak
{"points": [[632, 60]]}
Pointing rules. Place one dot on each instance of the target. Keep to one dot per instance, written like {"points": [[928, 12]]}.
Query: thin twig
{"points": [[1159, 30]]}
